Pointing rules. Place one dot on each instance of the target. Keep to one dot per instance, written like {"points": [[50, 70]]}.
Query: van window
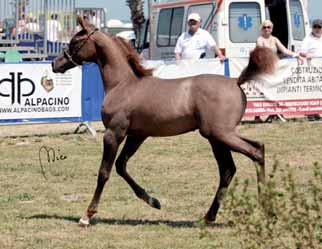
{"points": [[204, 10], [176, 25], [244, 22], [169, 27], [297, 21]]}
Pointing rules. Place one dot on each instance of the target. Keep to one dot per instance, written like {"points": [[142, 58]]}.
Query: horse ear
{"points": [[82, 22]]}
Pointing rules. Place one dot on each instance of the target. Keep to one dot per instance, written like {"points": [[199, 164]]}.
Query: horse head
{"points": [[81, 49]]}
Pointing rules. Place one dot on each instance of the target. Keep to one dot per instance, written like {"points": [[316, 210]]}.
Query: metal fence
{"points": [[45, 25], [96, 16]]}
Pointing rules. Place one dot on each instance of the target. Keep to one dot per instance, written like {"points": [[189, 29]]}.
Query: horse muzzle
{"points": [[59, 65]]}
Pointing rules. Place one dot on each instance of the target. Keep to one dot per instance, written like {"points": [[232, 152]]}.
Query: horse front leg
{"points": [[131, 145], [111, 142]]}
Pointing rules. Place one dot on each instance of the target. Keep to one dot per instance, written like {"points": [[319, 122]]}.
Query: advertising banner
{"points": [[31, 91], [292, 90]]}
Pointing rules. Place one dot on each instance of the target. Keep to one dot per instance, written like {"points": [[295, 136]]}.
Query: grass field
{"points": [[180, 171]]}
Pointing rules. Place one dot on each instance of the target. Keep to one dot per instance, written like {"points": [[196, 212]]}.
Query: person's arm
{"points": [[288, 52], [213, 46], [283, 49], [178, 56], [305, 55], [218, 53], [178, 49], [304, 49]]}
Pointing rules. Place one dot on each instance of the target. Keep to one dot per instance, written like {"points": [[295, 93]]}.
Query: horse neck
{"points": [[112, 63]]}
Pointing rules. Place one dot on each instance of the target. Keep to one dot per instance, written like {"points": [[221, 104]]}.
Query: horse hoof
{"points": [[154, 203], [84, 222], [208, 221]]}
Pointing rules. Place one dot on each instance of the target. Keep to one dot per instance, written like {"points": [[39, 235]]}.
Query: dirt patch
{"points": [[22, 130]]}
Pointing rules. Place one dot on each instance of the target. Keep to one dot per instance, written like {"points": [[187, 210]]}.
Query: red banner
{"points": [[287, 107]]}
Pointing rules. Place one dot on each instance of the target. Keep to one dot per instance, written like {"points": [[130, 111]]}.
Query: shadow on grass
{"points": [[130, 222]]}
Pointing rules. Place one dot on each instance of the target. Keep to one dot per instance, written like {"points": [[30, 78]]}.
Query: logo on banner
{"points": [[16, 82], [47, 82]]}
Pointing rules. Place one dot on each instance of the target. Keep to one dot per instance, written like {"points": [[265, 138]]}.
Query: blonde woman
{"points": [[268, 40]]}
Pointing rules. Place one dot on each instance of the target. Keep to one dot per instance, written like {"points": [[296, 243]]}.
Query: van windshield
{"points": [[244, 22]]}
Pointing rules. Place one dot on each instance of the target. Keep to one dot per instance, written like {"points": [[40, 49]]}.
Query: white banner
{"points": [[185, 68], [292, 89], [29, 91]]}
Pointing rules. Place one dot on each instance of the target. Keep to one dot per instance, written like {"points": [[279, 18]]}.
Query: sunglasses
{"points": [[192, 22], [267, 27], [317, 27]]}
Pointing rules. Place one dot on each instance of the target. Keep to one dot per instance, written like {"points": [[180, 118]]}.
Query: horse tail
{"points": [[261, 61]]}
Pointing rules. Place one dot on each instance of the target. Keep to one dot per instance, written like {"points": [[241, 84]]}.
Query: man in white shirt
{"points": [[312, 47], [53, 28], [194, 43], [32, 25], [312, 44]]}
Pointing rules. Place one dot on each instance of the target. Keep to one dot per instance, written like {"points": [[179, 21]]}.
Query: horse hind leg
{"points": [[260, 171], [252, 149], [111, 144], [227, 170], [132, 144]]}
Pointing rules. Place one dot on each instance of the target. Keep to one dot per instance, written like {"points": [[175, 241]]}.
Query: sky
{"points": [[117, 9]]}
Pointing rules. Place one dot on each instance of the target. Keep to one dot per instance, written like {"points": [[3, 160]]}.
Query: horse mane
{"points": [[133, 58], [262, 60]]}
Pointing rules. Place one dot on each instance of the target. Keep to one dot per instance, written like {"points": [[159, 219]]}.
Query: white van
{"points": [[235, 24]]}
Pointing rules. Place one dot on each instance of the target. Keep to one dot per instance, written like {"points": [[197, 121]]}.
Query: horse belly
{"points": [[162, 127]]}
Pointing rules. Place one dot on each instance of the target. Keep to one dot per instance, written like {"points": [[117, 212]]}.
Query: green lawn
{"points": [[180, 171]]}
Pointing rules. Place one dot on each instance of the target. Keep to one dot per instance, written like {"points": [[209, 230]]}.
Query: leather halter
{"points": [[70, 56]]}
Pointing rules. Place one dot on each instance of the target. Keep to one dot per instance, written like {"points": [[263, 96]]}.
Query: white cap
{"points": [[194, 16]]}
